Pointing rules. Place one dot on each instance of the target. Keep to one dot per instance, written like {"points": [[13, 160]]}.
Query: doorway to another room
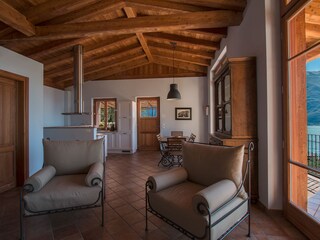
{"points": [[148, 116], [13, 130]]}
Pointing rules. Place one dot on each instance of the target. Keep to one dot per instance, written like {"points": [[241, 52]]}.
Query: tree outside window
{"points": [[105, 114]]}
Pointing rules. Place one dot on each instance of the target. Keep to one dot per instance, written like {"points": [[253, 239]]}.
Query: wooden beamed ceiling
{"points": [[128, 39]]}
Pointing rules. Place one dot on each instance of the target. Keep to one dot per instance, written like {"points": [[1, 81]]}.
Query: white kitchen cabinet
{"points": [[127, 126], [125, 141], [113, 141]]}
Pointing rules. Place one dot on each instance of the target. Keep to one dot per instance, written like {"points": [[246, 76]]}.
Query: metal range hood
{"points": [[77, 81]]}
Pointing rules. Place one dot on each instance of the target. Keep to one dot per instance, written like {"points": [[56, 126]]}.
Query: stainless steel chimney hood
{"points": [[77, 81]]}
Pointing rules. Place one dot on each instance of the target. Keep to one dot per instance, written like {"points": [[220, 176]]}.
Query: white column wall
{"points": [[53, 106], [259, 36]]}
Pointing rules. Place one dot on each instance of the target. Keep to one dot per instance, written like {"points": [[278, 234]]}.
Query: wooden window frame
{"points": [[95, 110], [294, 214]]}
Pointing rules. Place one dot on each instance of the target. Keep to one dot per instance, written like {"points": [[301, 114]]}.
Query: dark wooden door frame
{"points": [[138, 115], [22, 128]]}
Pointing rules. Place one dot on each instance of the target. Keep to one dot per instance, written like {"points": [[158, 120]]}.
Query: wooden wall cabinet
{"points": [[236, 109]]}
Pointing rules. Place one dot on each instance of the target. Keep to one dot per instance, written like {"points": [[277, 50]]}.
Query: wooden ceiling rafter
{"points": [[89, 50], [121, 36], [98, 62], [183, 41], [88, 12], [16, 20], [186, 50], [168, 53], [180, 64], [107, 64], [110, 70], [169, 7], [237, 5], [131, 14], [216, 19]]}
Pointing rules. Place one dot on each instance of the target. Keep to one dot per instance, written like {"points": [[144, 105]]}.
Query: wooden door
{"points": [[148, 115], [8, 106]]}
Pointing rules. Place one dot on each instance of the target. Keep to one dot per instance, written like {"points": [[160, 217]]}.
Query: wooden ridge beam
{"points": [[183, 41], [189, 58], [131, 14], [178, 64], [16, 20], [210, 19], [185, 50]]}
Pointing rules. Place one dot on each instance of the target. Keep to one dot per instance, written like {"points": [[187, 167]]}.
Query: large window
{"points": [[105, 114], [302, 116]]}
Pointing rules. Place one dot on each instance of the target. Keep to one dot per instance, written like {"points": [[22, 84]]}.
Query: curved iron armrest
{"points": [[204, 210]]}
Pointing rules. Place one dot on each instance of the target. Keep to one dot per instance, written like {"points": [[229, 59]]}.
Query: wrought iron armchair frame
{"points": [[203, 209], [29, 188]]}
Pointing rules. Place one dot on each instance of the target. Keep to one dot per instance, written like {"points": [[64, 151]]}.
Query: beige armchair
{"points": [[72, 178], [204, 199]]}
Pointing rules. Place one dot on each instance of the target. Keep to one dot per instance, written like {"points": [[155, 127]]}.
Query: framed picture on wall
{"points": [[183, 114]]}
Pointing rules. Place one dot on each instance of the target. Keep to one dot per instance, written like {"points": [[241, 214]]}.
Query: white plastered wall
{"points": [[18, 64], [192, 89], [259, 36]]}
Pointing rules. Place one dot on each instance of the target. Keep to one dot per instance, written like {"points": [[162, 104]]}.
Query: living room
{"points": [[258, 35]]}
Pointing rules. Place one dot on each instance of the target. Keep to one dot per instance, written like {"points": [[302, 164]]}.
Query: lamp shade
{"points": [[173, 94]]}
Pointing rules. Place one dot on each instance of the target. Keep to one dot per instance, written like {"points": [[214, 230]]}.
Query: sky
{"points": [[314, 65]]}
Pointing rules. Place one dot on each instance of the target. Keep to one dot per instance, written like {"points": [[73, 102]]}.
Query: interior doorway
{"points": [[13, 130], [148, 116]]}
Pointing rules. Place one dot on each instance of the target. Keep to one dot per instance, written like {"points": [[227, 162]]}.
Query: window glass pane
{"points": [[106, 115], [111, 115], [219, 93], [101, 115], [303, 29], [305, 190], [148, 108], [227, 114], [227, 88]]}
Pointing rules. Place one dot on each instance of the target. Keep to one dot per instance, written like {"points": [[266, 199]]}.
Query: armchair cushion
{"points": [[95, 174], [175, 203], [166, 179], [62, 192], [72, 157], [214, 196], [38, 180], [208, 164]]}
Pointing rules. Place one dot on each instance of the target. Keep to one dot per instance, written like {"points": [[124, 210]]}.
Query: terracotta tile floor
{"points": [[124, 211]]}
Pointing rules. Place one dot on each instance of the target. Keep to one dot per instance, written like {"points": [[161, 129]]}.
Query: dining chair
{"points": [[166, 158], [174, 145], [176, 133], [192, 138]]}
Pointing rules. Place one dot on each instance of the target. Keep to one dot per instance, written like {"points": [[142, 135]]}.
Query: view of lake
{"points": [[313, 110]]}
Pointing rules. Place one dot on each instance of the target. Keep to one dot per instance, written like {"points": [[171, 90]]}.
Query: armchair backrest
{"points": [[208, 164], [72, 157]]}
